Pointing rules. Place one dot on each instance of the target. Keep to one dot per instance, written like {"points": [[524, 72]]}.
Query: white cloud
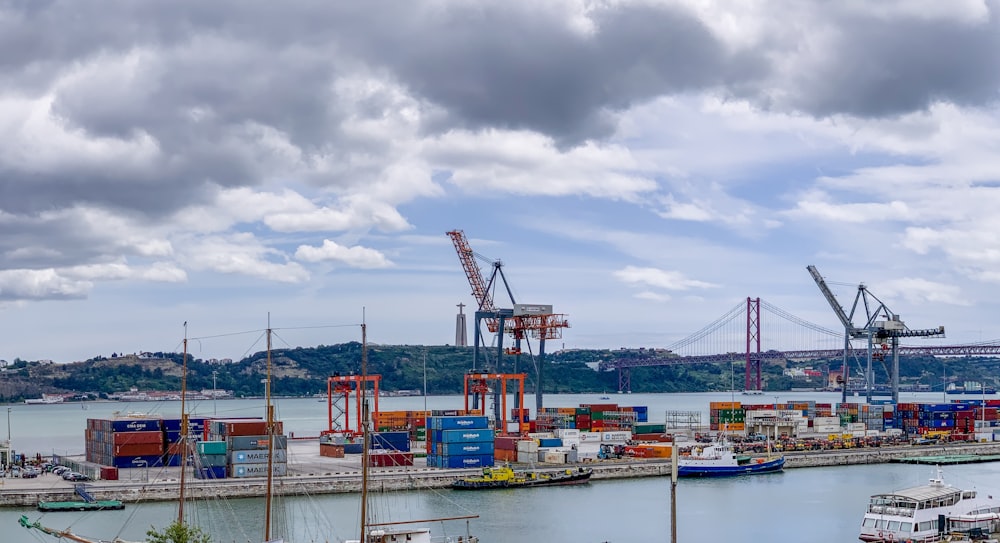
{"points": [[670, 280], [241, 254], [355, 257], [40, 285]]}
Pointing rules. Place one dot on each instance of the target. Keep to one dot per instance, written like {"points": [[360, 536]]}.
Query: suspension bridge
{"points": [[745, 330]]}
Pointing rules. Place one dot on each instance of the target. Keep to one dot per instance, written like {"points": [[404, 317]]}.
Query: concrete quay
{"points": [[309, 473]]}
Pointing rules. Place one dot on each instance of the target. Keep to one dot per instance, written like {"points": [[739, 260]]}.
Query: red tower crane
{"points": [[523, 321]]}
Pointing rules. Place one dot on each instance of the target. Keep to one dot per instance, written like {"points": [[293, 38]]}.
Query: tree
{"points": [[178, 532]]}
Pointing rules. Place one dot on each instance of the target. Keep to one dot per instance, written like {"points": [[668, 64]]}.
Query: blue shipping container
{"points": [[390, 441], [464, 449], [458, 423], [462, 436], [195, 426], [477, 461], [136, 425], [550, 442], [213, 472], [136, 461]]}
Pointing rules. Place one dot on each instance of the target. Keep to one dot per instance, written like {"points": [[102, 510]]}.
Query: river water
{"points": [[799, 505]]}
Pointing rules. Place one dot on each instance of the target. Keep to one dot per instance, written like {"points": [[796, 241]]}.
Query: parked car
{"points": [[59, 470], [29, 473], [74, 476]]}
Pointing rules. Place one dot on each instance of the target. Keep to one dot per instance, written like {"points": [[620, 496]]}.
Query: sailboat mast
{"points": [[270, 437], [184, 430], [364, 435]]}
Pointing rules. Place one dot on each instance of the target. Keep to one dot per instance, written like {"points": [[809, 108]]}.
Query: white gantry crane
{"points": [[882, 327]]}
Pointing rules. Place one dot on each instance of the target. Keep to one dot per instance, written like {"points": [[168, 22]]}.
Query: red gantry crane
{"points": [[536, 321]]}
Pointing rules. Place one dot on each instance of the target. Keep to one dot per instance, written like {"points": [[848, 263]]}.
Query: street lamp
{"points": [[8, 425], [215, 394]]}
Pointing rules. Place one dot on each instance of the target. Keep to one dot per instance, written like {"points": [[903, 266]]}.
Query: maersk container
{"points": [[390, 441], [136, 425], [550, 442], [466, 449], [278, 469], [476, 461], [257, 456], [463, 436], [458, 423], [246, 443]]}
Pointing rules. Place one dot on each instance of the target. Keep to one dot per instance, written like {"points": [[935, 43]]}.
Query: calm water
{"points": [[815, 505]]}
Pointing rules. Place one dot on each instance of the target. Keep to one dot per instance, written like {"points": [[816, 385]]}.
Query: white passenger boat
{"points": [[933, 512]]}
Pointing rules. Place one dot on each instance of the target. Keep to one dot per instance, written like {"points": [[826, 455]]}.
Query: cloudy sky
{"points": [[640, 165]]}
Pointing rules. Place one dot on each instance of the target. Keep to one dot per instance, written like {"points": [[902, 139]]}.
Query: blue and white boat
{"points": [[720, 460]]}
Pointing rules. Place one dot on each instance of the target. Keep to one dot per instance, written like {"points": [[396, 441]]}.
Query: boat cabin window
{"points": [[906, 527], [893, 525], [869, 522], [968, 494], [927, 525]]}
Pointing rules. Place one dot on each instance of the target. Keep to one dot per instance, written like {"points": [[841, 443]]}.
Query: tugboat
{"points": [[507, 477]]}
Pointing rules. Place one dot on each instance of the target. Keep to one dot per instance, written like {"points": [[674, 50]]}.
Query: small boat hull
{"points": [[751, 468], [556, 479]]}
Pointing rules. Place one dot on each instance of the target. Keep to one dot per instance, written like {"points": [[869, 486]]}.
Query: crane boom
{"points": [[832, 300], [474, 275]]}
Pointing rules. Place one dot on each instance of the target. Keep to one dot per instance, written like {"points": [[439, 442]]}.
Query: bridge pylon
{"points": [[752, 381]]}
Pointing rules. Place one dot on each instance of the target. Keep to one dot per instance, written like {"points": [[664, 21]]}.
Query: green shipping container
{"points": [[648, 428], [211, 447]]}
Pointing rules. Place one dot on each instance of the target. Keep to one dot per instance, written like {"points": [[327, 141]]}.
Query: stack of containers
{"points": [[729, 416], [873, 416], [459, 442], [124, 443], [390, 449], [211, 460], [172, 455], [247, 446], [505, 448]]}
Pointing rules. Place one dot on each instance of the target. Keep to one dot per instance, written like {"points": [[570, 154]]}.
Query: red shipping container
{"points": [[139, 449], [390, 459], [109, 473], [138, 438]]}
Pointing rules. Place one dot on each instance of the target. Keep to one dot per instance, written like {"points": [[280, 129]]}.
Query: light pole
{"points": [[8, 425], [215, 394], [425, 381]]}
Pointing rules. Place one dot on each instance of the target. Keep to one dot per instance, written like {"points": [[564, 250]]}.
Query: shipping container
{"points": [[212, 472], [464, 448], [211, 447], [257, 456], [459, 436], [464, 461], [245, 443], [278, 469], [386, 458], [458, 423]]}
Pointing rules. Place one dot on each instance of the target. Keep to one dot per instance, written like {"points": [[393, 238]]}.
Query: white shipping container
{"points": [[594, 437], [527, 446], [527, 457], [570, 441], [554, 457], [894, 432], [824, 421], [615, 437], [567, 433], [858, 433], [541, 435], [855, 426]]}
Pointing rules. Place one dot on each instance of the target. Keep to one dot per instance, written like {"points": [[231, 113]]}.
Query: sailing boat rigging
{"points": [[388, 531]]}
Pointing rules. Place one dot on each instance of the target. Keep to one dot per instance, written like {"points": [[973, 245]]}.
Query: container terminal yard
{"points": [[139, 459]]}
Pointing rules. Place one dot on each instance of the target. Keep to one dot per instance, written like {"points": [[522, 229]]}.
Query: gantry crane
{"points": [[882, 326], [536, 321]]}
